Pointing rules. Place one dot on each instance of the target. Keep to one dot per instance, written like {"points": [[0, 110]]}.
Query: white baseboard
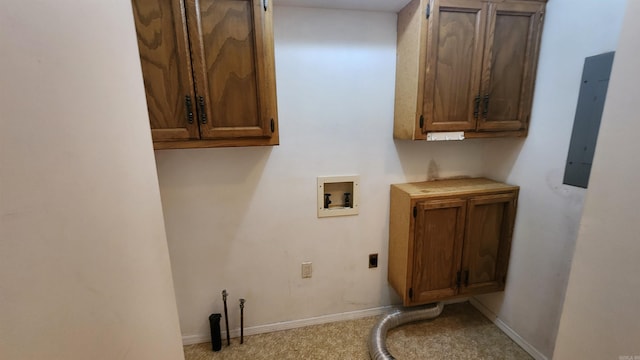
{"points": [[286, 325], [508, 330], [293, 324]]}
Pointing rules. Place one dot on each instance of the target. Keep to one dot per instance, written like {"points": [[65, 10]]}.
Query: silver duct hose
{"points": [[377, 347]]}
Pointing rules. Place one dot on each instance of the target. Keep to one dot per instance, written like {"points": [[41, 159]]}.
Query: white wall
{"points": [[84, 267], [548, 211], [245, 218], [601, 317]]}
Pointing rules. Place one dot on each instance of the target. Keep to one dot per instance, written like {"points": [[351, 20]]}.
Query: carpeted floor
{"points": [[461, 332]]}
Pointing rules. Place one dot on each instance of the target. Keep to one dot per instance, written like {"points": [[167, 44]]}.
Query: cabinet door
{"points": [[232, 50], [439, 231], [166, 67], [509, 65], [453, 64], [485, 255]]}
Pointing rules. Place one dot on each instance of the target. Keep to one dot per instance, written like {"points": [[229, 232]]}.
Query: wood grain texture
{"points": [[400, 241], [467, 49], [509, 63], [228, 37], [412, 31], [439, 232], [266, 69], [495, 134], [231, 142], [487, 242], [453, 187], [234, 67], [454, 64], [463, 222], [166, 67]]}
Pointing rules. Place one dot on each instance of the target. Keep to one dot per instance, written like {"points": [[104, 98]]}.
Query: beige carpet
{"points": [[461, 332]]}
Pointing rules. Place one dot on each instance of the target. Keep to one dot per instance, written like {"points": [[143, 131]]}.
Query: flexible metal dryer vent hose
{"points": [[377, 347]]}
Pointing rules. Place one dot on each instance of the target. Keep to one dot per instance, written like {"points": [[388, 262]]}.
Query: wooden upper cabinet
{"points": [[510, 59], [454, 53], [228, 94], [466, 65], [166, 65]]}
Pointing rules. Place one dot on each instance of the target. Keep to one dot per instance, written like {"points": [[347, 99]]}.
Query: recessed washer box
{"points": [[338, 195]]}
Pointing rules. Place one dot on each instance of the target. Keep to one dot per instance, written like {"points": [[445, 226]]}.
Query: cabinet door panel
{"points": [[166, 67], [487, 242], [225, 48], [439, 232], [509, 65], [453, 69]]}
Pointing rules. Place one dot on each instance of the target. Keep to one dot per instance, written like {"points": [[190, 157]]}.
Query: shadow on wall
{"points": [[215, 166], [199, 186], [206, 198], [501, 156]]}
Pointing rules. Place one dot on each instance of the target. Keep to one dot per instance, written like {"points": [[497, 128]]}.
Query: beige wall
{"points": [[601, 316], [84, 268]]}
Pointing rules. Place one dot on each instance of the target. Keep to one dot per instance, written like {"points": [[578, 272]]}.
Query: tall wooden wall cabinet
{"points": [[466, 65], [450, 238], [209, 72]]}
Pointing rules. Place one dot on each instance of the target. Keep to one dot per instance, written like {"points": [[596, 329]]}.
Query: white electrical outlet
{"points": [[306, 270]]}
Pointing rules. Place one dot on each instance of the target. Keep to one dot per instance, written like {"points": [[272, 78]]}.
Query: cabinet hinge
{"points": [[188, 106], [428, 9], [421, 121], [415, 211], [410, 293], [273, 126]]}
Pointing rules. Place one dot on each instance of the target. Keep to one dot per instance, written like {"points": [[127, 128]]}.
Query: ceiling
{"points": [[371, 5]]}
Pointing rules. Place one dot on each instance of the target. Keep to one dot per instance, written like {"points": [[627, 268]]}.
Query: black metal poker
{"points": [[226, 315]]}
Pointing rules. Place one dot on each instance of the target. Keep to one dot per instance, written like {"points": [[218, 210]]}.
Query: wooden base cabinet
{"points": [[209, 73], [466, 65], [450, 238]]}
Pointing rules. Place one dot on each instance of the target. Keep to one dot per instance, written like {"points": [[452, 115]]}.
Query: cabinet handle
{"points": [[485, 111], [203, 113], [476, 106], [458, 279], [187, 103], [466, 278], [266, 4]]}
